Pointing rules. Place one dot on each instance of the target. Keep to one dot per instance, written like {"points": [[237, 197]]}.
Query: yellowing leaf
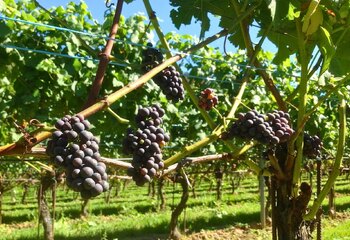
{"points": [[313, 18], [316, 21]]}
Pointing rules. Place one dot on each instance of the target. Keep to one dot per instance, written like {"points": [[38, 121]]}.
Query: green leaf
{"points": [[46, 65], [77, 65], [75, 40], [4, 29], [292, 12], [28, 17], [326, 47], [186, 11], [341, 60], [286, 43], [90, 64]]}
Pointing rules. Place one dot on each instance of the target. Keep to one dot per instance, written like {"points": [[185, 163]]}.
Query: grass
{"points": [[135, 215]]}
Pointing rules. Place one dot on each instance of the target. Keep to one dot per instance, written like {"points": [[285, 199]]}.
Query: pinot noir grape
{"points": [[312, 146], [270, 129], [145, 144], [76, 149], [208, 99]]}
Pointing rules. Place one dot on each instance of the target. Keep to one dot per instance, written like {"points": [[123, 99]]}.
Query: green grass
{"points": [[135, 215]]}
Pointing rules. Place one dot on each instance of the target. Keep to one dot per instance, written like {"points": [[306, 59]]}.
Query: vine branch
{"points": [[299, 138], [104, 58]]}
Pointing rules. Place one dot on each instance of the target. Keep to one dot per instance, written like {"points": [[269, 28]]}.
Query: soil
{"points": [[232, 233]]}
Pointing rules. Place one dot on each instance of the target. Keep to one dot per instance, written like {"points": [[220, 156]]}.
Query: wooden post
{"points": [[262, 195]]}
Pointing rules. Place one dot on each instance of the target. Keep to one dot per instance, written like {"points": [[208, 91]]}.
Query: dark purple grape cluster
{"points": [[279, 121], [270, 129], [77, 150], [149, 116], [151, 57], [312, 146], [170, 83], [168, 79], [208, 99], [145, 145]]}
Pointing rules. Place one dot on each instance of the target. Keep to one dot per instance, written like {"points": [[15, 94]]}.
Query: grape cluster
{"points": [[149, 116], [168, 79], [312, 146], [270, 129], [151, 57], [145, 144], [208, 99], [170, 83], [77, 150], [279, 121]]}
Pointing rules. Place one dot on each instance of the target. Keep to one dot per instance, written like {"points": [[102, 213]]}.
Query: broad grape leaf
{"points": [[341, 60], [285, 41], [4, 29], [185, 11]]}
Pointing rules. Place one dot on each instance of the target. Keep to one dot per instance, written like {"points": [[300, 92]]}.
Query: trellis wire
{"points": [[131, 43], [58, 54]]}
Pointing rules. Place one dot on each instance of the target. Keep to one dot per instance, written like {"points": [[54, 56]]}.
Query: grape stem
{"points": [[116, 116], [33, 166]]}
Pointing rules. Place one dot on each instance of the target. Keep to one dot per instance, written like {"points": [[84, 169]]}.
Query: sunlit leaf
{"points": [[326, 47]]}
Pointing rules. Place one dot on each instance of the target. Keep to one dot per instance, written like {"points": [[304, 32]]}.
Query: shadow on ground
{"points": [[161, 230]]}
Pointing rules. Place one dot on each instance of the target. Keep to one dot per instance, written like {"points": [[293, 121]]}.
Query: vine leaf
{"points": [[326, 47], [341, 59], [4, 29], [185, 11], [313, 18]]}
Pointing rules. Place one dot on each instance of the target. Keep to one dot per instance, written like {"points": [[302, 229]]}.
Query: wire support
{"points": [[58, 54]]}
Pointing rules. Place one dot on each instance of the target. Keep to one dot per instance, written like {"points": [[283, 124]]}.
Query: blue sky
{"points": [[162, 9]]}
